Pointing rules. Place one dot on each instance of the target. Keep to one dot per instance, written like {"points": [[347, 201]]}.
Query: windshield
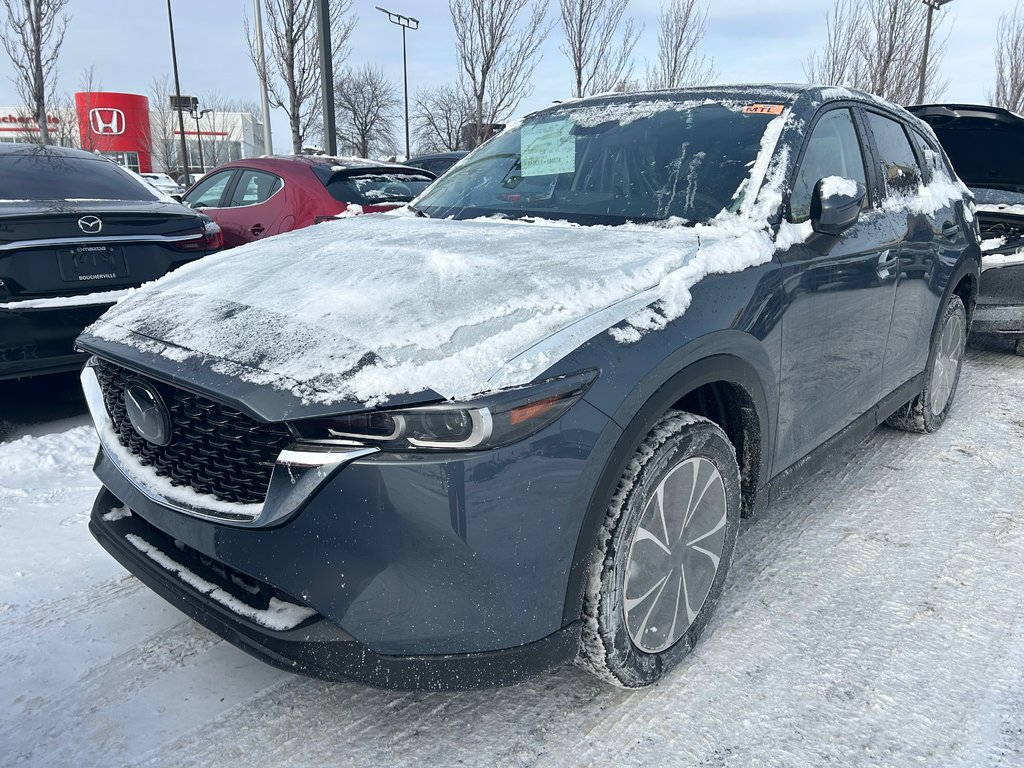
{"points": [[987, 196], [48, 176], [643, 161], [374, 188]]}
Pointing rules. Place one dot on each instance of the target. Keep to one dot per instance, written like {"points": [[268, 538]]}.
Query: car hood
{"points": [[985, 144], [360, 310]]}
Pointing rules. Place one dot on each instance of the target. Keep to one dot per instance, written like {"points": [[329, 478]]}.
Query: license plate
{"points": [[91, 262]]}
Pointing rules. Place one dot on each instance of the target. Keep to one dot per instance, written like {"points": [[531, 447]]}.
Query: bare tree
{"points": [[839, 63], [600, 56], [32, 35], [1010, 61], [368, 108], [680, 31], [293, 57], [440, 115], [164, 124], [497, 52], [877, 46]]}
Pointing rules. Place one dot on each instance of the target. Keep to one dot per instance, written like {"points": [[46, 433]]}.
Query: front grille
{"points": [[214, 449]]}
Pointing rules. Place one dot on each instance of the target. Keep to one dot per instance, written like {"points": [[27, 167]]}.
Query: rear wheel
{"points": [[927, 411], [663, 552]]}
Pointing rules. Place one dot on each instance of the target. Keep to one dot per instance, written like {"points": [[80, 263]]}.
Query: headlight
{"points": [[490, 421]]}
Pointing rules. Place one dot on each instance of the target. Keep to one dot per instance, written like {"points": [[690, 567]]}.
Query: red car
{"points": [[258, 197]]}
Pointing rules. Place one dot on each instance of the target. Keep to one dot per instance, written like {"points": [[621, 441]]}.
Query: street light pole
{"points": [[177, 94], [197, 115], [405, 22], [323, 20], [268, 142], [932, 5]]}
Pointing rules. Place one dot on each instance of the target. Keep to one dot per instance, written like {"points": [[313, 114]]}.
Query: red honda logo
{"points": [[106, 121]]}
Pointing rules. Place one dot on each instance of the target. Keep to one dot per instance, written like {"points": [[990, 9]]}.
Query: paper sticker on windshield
{"points": [[763, 109], [547, 148]]}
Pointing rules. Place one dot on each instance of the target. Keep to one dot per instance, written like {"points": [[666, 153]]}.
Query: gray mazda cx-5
{"points": [[516, 423]]}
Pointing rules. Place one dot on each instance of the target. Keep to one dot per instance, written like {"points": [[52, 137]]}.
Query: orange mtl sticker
{"points": [[763, 109]]}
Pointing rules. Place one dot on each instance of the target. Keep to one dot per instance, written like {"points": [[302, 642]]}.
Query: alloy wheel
{"points": [[675, 554]]}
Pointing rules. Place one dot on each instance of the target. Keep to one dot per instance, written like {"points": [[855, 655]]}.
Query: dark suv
{"points": [[986, 147], [76, 232], [516, 423]]}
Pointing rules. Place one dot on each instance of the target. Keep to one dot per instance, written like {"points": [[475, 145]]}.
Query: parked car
{"points": [[516, 423], [256, 198], [438, 162], [163, 183], [82, 231], [986, 147]]}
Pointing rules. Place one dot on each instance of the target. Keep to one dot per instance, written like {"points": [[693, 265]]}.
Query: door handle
{"points": [[950, 230], [256, 229]]}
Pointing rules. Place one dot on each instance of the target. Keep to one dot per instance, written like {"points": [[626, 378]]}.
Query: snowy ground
{"points": [[874, 617]]}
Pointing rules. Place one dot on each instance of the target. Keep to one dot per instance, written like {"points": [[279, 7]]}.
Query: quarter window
{"points": [[832, 150], [254, 187], [208, 192], [899, 167]]}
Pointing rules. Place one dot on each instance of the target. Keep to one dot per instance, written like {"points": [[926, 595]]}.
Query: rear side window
{"points": [[208, 192], [44, 175], [832, 150], [899, 167], [254, 187], [376, 188]]}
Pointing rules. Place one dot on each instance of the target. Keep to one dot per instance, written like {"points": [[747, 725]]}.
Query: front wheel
{"points": [[927, 411], [663, 552]]}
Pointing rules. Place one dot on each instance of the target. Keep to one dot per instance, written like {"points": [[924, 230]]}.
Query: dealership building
{"points": [[122, 126]]}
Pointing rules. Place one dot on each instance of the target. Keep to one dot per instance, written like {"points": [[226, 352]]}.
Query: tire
{"points": [[928, 410], [640, 618]]}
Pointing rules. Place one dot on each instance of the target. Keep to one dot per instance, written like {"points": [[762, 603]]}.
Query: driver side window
{"points": [[209, 190], [832, 150]]}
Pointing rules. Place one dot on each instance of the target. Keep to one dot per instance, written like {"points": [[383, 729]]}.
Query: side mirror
{"points": [[177, 198], [836, 204]]}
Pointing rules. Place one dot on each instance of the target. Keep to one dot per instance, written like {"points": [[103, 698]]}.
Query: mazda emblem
{"points": [[147, 412], [91, 225]]}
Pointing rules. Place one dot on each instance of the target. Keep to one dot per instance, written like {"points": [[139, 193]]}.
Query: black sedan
{"points": [[76, 232]]}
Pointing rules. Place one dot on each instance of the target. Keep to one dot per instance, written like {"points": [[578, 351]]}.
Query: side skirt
{"points": [[842, 441]]}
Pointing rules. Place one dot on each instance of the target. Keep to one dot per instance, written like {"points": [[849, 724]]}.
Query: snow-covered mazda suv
{"points": [[516, 423]]}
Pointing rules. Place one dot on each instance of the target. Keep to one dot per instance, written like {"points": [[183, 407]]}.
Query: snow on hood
{"points": [[376, 306], [381, 305]]}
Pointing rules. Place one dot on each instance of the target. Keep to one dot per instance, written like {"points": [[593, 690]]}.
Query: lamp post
{"points": [[323, 24], [177, 94], [268, 143], [197, 115], [932, 5], [405, 22]]}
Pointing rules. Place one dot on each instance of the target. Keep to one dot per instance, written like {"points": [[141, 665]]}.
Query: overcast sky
{"points": [[750, 41]]}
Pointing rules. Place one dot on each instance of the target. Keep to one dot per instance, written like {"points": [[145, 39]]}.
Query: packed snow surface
{"points": [[874, 617]]}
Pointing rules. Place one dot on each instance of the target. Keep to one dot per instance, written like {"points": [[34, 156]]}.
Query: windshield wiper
{"points": [[416, 210]]}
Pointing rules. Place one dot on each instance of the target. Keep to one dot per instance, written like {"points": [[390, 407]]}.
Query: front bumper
{"points": [[1000, 310], [456, 560], [315, 646]]}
